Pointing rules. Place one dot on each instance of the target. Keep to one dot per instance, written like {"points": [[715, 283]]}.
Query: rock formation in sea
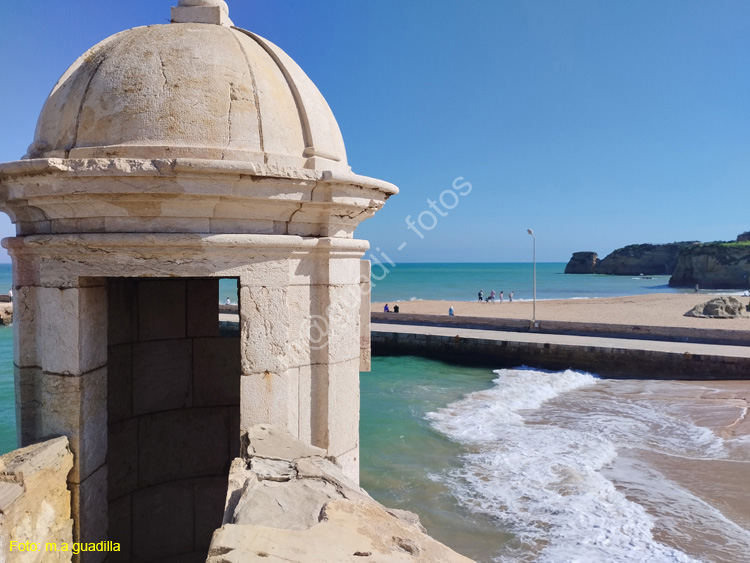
{"points": [[582, 263], [715, 265], [631, 260]]}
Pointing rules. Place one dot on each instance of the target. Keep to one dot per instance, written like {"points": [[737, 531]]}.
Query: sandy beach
{"points": [[656, 309]]}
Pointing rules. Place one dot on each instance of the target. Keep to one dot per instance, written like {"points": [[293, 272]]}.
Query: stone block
{"points": [[304, 408], [163, 521], [87, 225], [119, 383], [120, 517], [122, 296], [183, 444], [270, 441], [270, 398], [264, 329], [25, 326], [342, 271], [76, 407], [73, 329], [235, 434], [162, 376], [294, 505], [210, 494], [242, 226], [122, 458], [343, 315], [343, 407], [216, 371], [28, 404], [365, 354], [90, 510], [306, 328], [265, 272], [161, 309], [349, 464], [142, 224], [201, 14], [203, 307]]}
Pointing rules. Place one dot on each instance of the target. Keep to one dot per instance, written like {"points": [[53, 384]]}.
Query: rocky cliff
{"points": [[743, 237], [632, 260], [582, 263], [716, 265], [648, 259]]}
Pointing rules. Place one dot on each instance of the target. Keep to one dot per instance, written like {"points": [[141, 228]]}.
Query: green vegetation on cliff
{"points": [[714, 265]]}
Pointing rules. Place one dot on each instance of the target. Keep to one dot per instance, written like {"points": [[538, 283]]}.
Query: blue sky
{"points": [[597, 124]]}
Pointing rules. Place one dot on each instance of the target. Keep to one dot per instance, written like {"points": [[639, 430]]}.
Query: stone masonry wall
{"points": [[173, 414], [608, 362]]}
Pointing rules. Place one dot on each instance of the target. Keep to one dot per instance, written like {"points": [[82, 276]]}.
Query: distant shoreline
{"points": [[654, 309]]}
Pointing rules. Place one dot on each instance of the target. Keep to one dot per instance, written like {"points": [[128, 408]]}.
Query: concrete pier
{"points": [[608, 356]]}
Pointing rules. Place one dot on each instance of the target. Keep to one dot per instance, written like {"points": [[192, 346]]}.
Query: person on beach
{"points": [[501, 297], [395, 309], [696, 288], [492, 296], [386, 309], [510, 297], [481, 295], [450, 311], [229, 302]]}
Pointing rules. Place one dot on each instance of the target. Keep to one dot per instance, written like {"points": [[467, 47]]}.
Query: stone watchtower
{"points": [[168, 157]]}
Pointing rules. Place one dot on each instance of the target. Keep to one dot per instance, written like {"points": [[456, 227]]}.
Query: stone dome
{"points": [[189, 90]]}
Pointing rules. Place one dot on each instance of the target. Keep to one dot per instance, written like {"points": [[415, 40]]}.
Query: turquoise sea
{"points": [[462, 282], [523, 465]]}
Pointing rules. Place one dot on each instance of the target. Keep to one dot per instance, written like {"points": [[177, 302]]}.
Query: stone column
{"points": [[61, 385]]}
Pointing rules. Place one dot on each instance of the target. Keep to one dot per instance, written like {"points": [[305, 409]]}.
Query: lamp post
{"points": [[533, 314]]}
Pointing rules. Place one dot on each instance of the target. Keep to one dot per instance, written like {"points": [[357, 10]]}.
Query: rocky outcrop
{"points": [[720, 308], [287, 502], [6, 313], [716, 265], [647, 259], [632, 260], [744, 237], [582, 263], [35, 503]]}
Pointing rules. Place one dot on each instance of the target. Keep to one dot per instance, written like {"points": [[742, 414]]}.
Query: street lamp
{"points": [[533, 314]]}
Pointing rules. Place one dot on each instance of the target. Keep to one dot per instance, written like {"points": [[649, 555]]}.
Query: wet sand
{"points": [[656, 309]]}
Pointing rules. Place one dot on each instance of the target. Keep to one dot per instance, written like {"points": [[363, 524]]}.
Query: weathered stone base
{"points": [[286, 502], [35, 502]]}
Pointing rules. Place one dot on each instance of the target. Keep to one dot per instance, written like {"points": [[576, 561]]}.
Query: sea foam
{"points": [[543, 478]]}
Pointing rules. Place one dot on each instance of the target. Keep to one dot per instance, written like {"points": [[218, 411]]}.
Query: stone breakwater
{"points": [[724, 336], [609, 357]]}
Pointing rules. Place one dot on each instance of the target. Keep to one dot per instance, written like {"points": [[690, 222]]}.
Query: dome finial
{"points": [[202, 11]]}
